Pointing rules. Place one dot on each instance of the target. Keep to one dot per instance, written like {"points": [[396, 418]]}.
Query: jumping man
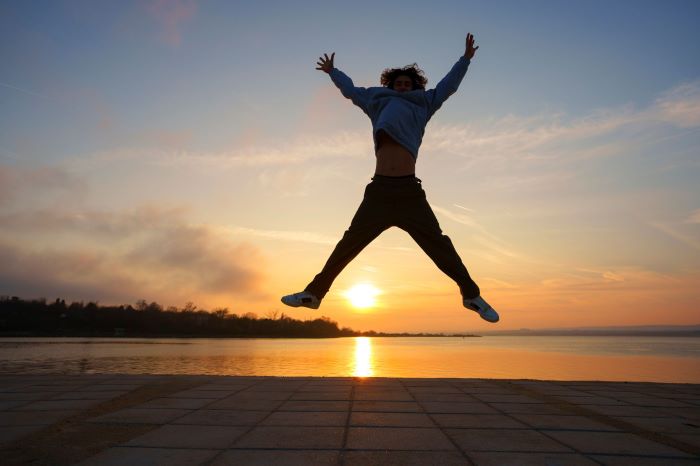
{"points": [[399, 109]]}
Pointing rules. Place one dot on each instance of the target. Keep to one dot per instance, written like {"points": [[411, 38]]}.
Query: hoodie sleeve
{"points": [[447, 86], [359, 95]]}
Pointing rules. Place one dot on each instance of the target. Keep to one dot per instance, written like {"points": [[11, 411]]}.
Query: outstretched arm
{"points": [[450, 83], [358, 95]]}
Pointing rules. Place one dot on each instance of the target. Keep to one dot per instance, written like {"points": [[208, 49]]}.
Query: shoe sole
{"points": [[483, 317], [298, 305]]}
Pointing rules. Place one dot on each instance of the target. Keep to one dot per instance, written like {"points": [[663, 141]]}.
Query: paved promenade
{"points": [[203, 420]]}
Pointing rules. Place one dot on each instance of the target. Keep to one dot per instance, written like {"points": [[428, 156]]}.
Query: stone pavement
{"points": [[207, 420]]}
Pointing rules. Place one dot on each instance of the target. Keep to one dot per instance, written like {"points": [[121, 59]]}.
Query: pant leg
{"points": [[419, 221], [369, 221]]}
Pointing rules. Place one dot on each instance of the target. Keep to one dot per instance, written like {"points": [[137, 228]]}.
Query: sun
{"points": [[362, 295]]}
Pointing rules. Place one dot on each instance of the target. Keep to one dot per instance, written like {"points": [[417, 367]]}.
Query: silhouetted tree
{"points": [[36, 317]]}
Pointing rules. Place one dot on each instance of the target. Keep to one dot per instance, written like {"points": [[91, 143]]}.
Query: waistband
{"points": [[396, 179]]}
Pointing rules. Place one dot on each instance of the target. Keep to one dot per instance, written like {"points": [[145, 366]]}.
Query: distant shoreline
{"points": [[234, 337], [692, 334]]}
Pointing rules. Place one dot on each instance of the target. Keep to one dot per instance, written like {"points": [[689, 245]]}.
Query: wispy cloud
{"points": [[500, 143], [23, 90], [675, 233], [694, 217], [22, 181], [596, 279], [543, 136], [303, 149], [492, 247], [297, 236], [680, 105]]}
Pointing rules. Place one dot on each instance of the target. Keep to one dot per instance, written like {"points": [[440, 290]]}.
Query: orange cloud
{"points": [[149, 253]]}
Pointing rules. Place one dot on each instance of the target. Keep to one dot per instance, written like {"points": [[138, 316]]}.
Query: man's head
{"points": [[408, 78]]}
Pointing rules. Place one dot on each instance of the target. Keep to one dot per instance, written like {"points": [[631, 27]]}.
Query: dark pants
{"points": [[399, 202]]}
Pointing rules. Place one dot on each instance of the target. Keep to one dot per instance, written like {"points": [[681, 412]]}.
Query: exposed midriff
{"points": [[392, 158]]}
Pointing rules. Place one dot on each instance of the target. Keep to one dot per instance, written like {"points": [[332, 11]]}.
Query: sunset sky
{"points": [[176, 151]]}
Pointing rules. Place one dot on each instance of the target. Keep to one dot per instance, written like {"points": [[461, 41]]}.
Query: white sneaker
{"points": [[303, 298], [481, 307]]}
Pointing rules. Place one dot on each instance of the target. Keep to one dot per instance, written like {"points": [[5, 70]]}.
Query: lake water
{"points": [[654, 359]]}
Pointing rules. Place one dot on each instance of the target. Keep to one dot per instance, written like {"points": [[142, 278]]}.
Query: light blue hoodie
{"points": [[403, 115]]}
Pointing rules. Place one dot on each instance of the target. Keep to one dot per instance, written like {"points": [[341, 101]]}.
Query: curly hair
{"points": [[389, 75]]}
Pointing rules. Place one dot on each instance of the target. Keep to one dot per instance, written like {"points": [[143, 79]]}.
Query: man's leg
{"points": [[368, 223], [419, 221]]}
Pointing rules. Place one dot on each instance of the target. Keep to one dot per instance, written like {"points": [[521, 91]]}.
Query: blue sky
{"points": [[567, 162], [92, 58]]}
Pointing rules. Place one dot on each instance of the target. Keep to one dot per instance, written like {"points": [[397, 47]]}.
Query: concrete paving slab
{"points": [[495, 421], [551, 421], [315, 406], [245, 405], [252, 395], [292, 438], [304, 420], [529, 459], [291, 418], [54, 387], [644, 461], [397, 438], [633, 411], [675, 425], [613, 442], [142, 416], [655, 401], [445, 397], [387, 406], [434, 390], [90, 395], [189, 436], [514, 440], [203, 394], [457, 407], [528, 408], [177, 403], [278, 458], [109, 387], [24, 396], [692, 439], [279, 385], [404, 458], [55, 405], [232, 387], [688, 413], [506, 398], [334, 395], [222, 417], [137, 456], [11, 433], [9, 404], [383, 395], [592, 400], [390, 420], [32, 418]]}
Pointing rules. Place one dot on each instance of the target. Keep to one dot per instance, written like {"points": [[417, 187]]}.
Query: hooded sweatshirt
{"points": [[403, 115]]}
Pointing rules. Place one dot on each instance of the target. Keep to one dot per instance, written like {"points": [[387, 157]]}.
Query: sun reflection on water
{"points": [[363, 358]]}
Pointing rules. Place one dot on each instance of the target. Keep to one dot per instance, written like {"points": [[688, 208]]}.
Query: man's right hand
{"points": [[324, 63]]}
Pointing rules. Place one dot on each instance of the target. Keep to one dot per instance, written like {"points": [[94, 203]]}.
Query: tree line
{"points": [[37, 317]]}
